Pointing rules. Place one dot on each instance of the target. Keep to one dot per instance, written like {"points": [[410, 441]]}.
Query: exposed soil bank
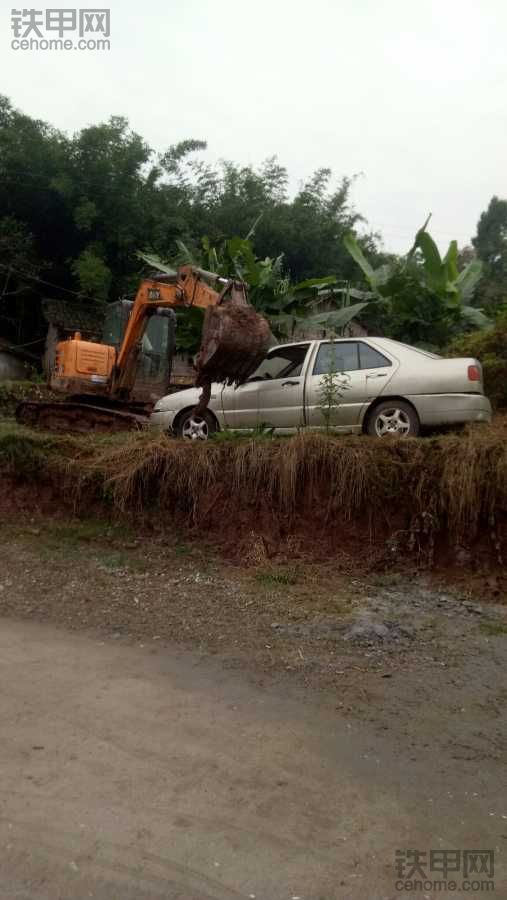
{"points": [[356, 551], [437, 503]]}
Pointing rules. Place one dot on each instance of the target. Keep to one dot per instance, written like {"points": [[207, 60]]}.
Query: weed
{"points": [[118, 559], [332, 387], [182, 549], [77, 532]]}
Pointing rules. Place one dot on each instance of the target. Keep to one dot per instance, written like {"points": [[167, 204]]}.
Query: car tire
{"points": [[393, 417], [195, 428]]}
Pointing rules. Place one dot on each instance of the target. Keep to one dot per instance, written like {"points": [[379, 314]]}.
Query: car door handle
{"points": [[378, 375], [289, 383]]}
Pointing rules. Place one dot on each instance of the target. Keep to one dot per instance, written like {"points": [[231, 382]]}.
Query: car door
{"points": [[342, 359], [360, 374], [273, 395], [240, 405], [378, 368]]}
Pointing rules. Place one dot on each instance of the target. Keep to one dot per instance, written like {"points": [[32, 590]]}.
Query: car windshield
{"points": [[281, 362]]}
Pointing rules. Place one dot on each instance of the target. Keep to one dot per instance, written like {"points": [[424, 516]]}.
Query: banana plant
{"points": [[286, 306], [440, 275], [301, 303]]}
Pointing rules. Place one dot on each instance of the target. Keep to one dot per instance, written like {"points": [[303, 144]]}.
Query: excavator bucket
{"points": [[235, 339]]}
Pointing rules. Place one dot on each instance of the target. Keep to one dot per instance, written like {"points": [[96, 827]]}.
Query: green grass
{"points": [[493, 628], [91, 539], [77, 532], [226, 435], [182, 549], [119, 559], [277, 577]]}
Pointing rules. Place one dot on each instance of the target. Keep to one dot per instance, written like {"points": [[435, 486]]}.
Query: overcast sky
{"points": [[411, 95]]}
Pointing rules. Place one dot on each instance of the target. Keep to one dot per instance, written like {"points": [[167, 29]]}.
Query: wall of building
{"points": [[11, 368]]}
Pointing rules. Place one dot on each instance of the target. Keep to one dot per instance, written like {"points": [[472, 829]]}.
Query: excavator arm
{"points": [[234, 340], [188, 289]]}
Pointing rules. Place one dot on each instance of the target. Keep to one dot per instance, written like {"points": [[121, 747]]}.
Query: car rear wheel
{"points": [[195, 428], [393, 417]]}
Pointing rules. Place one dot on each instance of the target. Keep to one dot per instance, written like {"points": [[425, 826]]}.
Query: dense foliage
{"points": [[490, 244], [490, 346], [75, 209], [422, 297]]}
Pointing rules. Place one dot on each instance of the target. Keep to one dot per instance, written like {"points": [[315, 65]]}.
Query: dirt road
{"points": [[141, 772], [136, 767]]}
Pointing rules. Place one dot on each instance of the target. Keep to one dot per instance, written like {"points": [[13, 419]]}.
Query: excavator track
{"points": [[78, 417]]}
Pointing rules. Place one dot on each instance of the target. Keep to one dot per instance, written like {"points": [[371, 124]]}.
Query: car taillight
{"points": [[474, 373]]}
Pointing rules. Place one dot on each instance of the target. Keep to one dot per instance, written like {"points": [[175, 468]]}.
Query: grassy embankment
{"points": [[331, 491]]}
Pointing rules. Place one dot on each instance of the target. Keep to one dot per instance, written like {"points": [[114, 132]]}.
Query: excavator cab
{"points": [[85, 367], [156, 352]]}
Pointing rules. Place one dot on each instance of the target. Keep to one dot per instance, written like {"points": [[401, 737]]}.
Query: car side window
{"points": [[341, 356], [282, 362], [372, 359]]}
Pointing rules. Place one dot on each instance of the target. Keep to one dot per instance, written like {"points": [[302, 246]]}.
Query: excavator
{"points": [[98, 379]]}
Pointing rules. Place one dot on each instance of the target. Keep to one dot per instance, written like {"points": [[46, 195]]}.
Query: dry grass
{"points": [[456, 481], [349, 476], [473, 480], [460, 480]]}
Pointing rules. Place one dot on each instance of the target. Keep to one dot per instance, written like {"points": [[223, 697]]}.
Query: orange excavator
{"points": [[98, 379]]}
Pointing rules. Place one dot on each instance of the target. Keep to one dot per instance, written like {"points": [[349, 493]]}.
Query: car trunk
{"points": [[458, 376]]}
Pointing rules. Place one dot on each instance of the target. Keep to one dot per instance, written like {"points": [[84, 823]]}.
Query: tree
{"points": [[490, 241], [229, 200], [93, 274], [19, 267], [490, 244], [90, 200]]}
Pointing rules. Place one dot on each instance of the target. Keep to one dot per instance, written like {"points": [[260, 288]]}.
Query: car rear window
{"points": [[372, 359]]}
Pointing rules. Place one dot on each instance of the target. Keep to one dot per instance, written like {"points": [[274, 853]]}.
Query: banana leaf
{"points": [[475, 317], [451, 262], [468, 279], [434, 269], [359, 257], [156, 263], [314, 282], [336, 318]]}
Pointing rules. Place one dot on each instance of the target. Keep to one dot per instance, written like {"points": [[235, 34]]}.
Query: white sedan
{"points": [[373, 385]]}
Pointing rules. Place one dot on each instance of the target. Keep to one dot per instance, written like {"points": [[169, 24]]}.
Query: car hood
{"points": [[188, 397]]}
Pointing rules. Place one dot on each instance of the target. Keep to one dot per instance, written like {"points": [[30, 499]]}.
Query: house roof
{"points": [[86, 316]]}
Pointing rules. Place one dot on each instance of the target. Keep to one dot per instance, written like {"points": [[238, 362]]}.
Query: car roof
{"points": [[388, 344]]}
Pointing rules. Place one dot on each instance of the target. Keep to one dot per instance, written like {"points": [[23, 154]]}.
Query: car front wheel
{"points": [[195, 428], [393, 417]]}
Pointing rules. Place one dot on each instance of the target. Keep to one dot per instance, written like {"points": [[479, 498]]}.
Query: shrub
{"points": [[490, 347]]}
